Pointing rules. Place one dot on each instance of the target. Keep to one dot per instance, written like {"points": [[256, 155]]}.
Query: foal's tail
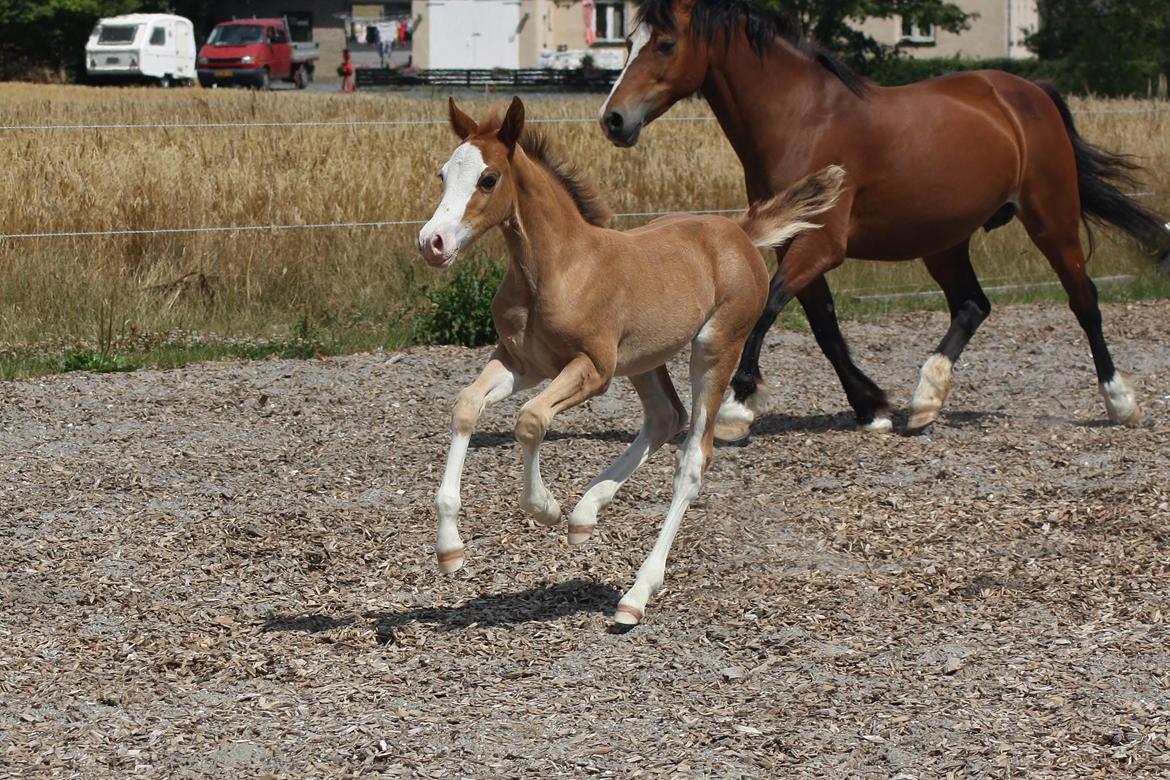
{"points": [[780, 219], [1101, 175]]}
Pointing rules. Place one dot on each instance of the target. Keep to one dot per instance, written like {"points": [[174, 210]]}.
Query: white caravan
{"points": [[142, 47]]}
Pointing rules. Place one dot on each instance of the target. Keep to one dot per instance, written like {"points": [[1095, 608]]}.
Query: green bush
{"points": [[460, 312]]}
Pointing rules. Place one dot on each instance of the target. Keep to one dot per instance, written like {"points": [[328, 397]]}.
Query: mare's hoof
{"points": [[879, 424], [549, 516], [451, 561]]}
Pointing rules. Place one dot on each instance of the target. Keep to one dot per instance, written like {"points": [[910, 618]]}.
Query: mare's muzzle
{"points": [[621, 129]]}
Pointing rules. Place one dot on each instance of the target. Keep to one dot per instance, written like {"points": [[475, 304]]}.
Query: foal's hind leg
{"points": [[711, 368], [579, 381], [969, 308], [1056, 232], [663, 417]]}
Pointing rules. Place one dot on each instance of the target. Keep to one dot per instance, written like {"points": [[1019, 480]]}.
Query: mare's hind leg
{"points": [[1054, 226], [663, 417], [712, 364], [969, 308], [802, 267], [579, 381]]}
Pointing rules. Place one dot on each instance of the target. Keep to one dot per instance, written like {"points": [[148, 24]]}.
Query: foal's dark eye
{"points": [[665, 46], [488, 183]]}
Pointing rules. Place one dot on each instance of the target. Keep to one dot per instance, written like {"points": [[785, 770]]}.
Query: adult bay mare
{"points": [[927, 165]]}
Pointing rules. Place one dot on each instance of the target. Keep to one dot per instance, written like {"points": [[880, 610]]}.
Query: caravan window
{"points": [[158, 36], [118, 34]]}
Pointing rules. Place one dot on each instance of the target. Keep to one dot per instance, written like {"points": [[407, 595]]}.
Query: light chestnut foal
{"points": [[580, 304]]}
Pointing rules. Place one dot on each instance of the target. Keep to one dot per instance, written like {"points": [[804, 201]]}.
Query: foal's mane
{"points": [[544, 151], [763, 25]]}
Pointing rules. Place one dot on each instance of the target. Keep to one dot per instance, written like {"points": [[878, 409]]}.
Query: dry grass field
{"points": [[352, 288]]}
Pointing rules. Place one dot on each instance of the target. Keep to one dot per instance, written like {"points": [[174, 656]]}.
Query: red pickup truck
{"points": [[254, 53]]}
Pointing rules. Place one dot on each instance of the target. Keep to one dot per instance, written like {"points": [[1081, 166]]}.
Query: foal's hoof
{"points": [[627, 615], [735, 430], [579, 534], [548, 515], [920, 418], [450, 561]]}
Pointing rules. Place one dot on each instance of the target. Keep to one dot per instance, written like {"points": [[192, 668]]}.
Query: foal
{"points": [[580, 304]]}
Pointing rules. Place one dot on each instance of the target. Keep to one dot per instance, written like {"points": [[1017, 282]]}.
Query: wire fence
{"points": [[339, 123], [237, 229]]}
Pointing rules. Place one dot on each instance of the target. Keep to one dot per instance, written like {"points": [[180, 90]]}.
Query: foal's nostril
{"points": [[613, 121], [437, 243]]}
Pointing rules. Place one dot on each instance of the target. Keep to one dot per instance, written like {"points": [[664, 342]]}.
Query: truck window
{"points": [[118, 34], [236, 34], [158, 36]]}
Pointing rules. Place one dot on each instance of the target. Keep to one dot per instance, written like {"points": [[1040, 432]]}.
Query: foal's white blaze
{"points": [[1120, 401], [460, 177], [934, 384], [638, 40]]}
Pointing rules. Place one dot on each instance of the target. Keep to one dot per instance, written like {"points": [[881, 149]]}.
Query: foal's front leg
{"points": [[497, 381], [579, 381]]}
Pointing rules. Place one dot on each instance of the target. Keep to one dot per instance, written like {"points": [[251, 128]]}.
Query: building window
{"points": [[913, 33], [158, 36], [300, 25], [609, 20]]}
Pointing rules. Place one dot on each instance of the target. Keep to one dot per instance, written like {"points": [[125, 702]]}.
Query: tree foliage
{"points": [[835, 23], [1112, 47]]}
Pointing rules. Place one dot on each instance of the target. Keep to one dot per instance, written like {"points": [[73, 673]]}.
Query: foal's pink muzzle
{"points": [[436, 249]]}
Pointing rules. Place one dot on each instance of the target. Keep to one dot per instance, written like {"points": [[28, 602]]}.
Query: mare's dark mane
{"points": [[763, 25], [540, 148]]}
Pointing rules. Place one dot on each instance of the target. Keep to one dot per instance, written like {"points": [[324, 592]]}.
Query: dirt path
{"points": [[226, 571]]}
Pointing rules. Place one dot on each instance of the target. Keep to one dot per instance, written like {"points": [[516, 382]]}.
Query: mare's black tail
{"points": [[1101, 175]]}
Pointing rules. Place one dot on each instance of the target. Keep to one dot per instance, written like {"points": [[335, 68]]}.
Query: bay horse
{"points": [[580, 304], [928, 164]]}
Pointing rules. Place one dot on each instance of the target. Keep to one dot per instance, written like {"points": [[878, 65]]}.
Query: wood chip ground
{"points": [[226, 571]]}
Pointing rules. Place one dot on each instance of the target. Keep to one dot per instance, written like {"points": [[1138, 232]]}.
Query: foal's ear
{"points": [[513, 125], [461, 123]]}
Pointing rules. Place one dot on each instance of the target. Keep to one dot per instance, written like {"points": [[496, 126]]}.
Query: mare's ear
{"points": [[461, 123], [513, 125]]}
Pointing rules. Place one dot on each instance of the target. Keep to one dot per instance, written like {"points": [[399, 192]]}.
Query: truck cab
{"points": [[255, 52]]}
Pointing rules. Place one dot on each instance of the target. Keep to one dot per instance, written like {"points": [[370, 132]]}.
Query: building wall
{"points": [[546, 25], [997, 32]]}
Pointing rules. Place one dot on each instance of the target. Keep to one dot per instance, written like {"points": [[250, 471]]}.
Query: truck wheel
{"points": [[265, 80], [304, 77], [164, 82]]}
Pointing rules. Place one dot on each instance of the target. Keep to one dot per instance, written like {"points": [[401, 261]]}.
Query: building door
{"points": [[474, 33]]}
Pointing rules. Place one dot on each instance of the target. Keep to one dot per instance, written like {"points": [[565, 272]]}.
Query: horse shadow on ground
{"points": [[490, 439], [539, 604]]}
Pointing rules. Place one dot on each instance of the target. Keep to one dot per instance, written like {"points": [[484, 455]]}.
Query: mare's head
{"points": [[478, 189], [666, 62]]}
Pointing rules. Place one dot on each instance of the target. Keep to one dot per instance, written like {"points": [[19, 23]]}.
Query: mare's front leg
{"points": [[579, 381], [497, 381], [663, 417]]}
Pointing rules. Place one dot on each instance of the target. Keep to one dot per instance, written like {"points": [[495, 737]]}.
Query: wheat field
{"points": [[58, 293]]}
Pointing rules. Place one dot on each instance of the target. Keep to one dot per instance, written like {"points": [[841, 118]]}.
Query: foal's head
{"points": [[478, 189]]}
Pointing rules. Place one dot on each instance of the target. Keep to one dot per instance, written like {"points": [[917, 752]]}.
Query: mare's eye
{"points": [[488, 183], [665, 46]]}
